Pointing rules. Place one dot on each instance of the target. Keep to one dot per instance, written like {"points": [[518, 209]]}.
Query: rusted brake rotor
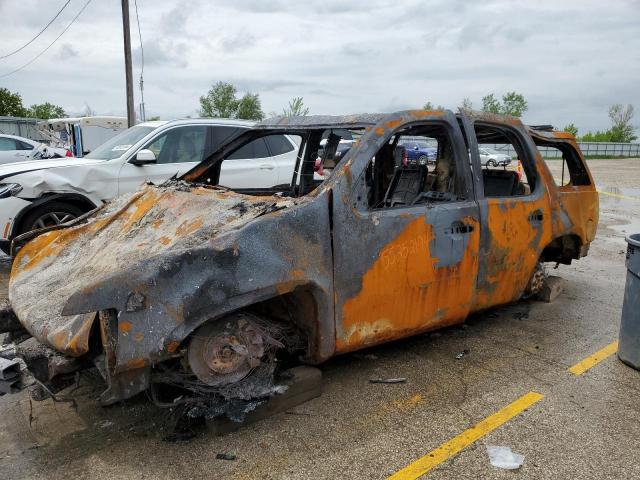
{"points": [[226, 351]]}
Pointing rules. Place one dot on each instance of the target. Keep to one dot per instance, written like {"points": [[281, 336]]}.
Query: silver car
{"points": [[17, 149], [493, 158]]}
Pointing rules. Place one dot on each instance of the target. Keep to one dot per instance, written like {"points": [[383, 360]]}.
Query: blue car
{"points": [[420, 152]]}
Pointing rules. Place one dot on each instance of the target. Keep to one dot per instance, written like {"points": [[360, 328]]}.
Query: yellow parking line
{"points": [[617, 195], [594, 359], [455, 445]]}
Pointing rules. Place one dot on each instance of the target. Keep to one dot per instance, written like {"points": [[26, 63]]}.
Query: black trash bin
{"points": [[629, 344]]}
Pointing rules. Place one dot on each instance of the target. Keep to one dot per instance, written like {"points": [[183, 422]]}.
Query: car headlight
{"points": [[9, 189]]}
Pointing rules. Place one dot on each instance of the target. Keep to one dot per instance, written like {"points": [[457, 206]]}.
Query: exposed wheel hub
{"points": [[224, 353]]}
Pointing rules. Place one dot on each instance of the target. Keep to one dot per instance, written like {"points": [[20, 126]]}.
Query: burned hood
{"points": [[135, 232]]}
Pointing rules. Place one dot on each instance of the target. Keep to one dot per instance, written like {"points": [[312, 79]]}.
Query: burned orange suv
{"points": [[202, 288]]}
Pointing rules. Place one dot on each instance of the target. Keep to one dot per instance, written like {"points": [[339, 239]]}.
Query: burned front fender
{"points": [[167, 259]]}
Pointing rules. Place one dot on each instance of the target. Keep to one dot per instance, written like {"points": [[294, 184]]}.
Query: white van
{"points": [[81, 134]]}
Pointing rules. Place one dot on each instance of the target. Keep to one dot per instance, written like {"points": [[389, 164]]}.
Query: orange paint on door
{"points": [[404, 292]]}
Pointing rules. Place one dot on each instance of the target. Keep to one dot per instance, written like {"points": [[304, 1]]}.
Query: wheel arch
{"points": [[76, 199], [300, 306], [563, 249]]}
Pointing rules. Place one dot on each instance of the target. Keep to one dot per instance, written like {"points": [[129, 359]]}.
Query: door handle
{"points": [[267, 166], [459, 228], [536, 216]]}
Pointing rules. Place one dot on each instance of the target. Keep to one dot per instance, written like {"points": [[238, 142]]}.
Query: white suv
{"points": [[44, 193]]}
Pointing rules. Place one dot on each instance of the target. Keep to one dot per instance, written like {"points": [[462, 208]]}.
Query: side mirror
{"points": [[416, 147], [144, 157]]}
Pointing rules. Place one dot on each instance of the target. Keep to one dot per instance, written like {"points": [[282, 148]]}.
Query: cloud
{"points": [[163, 52], [67, 51], [570, 59], [237, 41]]}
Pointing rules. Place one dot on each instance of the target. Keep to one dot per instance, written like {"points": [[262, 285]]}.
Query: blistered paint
{"points": [[510, 250], [407, 290]]}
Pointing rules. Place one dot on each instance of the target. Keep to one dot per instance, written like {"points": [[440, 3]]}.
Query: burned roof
{"points": [[322, 121], [366, 119]]}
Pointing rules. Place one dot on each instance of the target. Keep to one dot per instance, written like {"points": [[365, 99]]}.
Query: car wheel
{"points": [[49, 215], [491, 163], [422, 160]]}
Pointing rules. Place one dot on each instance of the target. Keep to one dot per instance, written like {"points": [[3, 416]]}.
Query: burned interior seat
{"points": [[407, 182], [500, 183]]}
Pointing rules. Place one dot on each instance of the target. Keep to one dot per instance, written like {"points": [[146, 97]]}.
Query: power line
{"points": [[39, 33], [50, 45], [135, 2], [142, 109]]}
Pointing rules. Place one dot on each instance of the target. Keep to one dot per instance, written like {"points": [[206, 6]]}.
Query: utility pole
{"points": [[131, 113]]}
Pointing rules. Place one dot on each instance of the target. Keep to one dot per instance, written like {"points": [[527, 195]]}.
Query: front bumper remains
{"points": [[26, 363]]}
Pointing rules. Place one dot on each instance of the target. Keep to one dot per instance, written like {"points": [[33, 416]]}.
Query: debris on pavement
{"points": [[300, 384], [466, 351], [503, 457], [225, 456], [551, 289], [388, 380], [365, 356]]}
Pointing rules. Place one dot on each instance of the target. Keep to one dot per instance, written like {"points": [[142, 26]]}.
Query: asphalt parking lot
{"points": [[572, 426]]}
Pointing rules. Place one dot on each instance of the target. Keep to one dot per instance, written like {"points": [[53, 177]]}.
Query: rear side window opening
{"points": [[507, 169], [573, 171]]}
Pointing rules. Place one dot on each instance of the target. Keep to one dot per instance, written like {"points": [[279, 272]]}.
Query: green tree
{"points": [[154, 118], [621, 129], [467, 104], [597, 136], [220, 101], [11, 104], [429, 106], [250, 107], [512, 104], [572, 129], [296, 108], [491, 104], [45, 111]]}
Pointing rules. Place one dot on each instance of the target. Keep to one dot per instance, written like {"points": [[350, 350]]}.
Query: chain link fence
{"points": [[589, 149]]}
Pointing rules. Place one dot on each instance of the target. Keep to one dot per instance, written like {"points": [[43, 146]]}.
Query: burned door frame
{"points": [[515, 229], [431, 250]]}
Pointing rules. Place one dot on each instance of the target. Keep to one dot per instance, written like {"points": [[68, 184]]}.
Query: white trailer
{"points": [[81, 134]]}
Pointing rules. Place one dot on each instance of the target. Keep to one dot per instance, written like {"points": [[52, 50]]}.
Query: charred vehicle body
{"points": [[197, 286]]}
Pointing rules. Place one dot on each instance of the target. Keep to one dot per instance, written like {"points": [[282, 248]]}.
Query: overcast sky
{"points": [[570, 59]]}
